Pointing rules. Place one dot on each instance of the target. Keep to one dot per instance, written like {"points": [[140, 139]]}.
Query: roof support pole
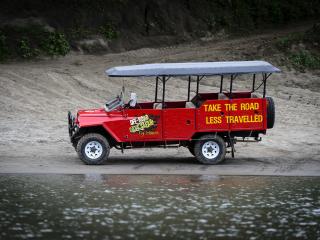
{"points": [[198, 80], [189, 82], [264, 84], [163, 89], [221, 83], [156, 94], [231, 82], [253, 82]]}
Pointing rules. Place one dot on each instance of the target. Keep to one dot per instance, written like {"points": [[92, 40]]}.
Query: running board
{"points": [[248, 140]]}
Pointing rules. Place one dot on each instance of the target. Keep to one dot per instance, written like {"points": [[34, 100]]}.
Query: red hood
{"points": [[98, 112], [95, 117], [92, 112]]}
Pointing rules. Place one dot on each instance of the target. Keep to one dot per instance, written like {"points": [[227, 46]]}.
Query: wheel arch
{"points": [[98, 129], [197, 135]]}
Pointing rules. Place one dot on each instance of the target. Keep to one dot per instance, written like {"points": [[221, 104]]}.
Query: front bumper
{"points": [[73, 128]]}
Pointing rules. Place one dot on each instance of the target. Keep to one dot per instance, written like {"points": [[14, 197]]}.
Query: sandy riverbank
{"points": [[35, 97]]}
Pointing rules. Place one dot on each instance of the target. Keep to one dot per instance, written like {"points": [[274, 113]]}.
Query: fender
{"points": [[99, 117]]}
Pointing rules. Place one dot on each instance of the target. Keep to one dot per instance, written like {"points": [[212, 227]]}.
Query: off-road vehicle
{"points": [[207, 124]]}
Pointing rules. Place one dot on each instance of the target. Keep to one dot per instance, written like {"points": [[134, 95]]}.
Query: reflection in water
{"points": [[97, 206]]}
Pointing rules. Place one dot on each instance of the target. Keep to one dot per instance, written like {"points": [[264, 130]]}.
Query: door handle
{"points": [[188, 122]]}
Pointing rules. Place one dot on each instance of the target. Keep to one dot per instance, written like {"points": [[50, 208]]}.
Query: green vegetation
{"points": [[31, 41], [108, 31], [285, 43], [242, 16], [25, 50], [302, 49], [55, 44], [304, 59], [51, 27]]}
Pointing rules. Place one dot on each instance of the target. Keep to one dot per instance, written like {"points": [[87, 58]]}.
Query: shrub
{"points": [[55, 44], [108, 31], [305, 59], [25, 50]]}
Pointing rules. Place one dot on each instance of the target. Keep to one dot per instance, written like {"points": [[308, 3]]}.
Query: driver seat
{"points": [[133, 100]]}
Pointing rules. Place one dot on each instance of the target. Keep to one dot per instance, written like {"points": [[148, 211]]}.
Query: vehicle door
{"points": [[143, 124], [178, 123]]}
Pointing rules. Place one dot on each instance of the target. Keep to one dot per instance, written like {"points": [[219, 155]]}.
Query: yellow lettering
{"points": [[213, 120], [244, 119], [249, 106], [207, 120], [231, 107], [212, 107]]}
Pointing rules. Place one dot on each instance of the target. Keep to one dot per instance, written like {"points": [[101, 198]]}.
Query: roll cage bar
{"points": [[164, 79]]}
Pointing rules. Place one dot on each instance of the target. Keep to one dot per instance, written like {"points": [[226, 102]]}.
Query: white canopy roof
{"points": [[192, 68]]}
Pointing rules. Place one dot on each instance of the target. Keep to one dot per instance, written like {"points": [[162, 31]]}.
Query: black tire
{"points": [[91, 138], [191, 150], [270, 112], [219, 149], [74, 144]]}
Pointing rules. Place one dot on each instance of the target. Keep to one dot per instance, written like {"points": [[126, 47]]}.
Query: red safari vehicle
{"points": [[207, 124]]}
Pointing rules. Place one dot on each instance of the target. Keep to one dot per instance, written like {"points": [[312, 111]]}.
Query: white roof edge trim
{"points": [[192, 68]]}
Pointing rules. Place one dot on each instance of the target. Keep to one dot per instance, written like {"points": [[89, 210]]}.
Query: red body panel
{"points": [[248, 114], [176, 122], [143, 125], [211, 116]]}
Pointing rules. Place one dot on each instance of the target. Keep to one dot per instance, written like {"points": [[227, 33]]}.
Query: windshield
{"points": [[114, 103]]}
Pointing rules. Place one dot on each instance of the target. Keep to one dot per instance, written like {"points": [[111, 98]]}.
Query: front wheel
{"points": [[210, 149], [93, 149]]}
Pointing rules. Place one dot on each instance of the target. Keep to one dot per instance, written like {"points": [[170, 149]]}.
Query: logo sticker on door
{"points": [[144, 124]]}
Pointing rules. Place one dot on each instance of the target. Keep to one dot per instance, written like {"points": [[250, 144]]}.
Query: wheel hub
{"points": [[210, 149], [93, 149]]}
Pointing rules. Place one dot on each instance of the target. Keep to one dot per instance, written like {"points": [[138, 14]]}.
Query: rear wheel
{"points": [[210, 149], [93, 149]]}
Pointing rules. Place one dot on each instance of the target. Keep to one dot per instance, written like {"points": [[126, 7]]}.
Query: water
{"points": [[158, 207]]}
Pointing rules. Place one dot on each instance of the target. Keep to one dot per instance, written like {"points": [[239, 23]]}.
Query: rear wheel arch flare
{"points": [[198, 135]]}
